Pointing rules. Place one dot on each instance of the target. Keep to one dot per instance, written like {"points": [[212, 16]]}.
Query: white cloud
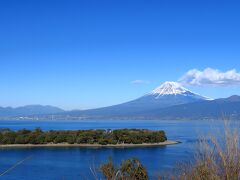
{"points": [[210, 77], [138, 81]]}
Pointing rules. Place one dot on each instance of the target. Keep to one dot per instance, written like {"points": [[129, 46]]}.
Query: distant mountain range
{"points": [[29, 110], [170, 101], [215, 109]]}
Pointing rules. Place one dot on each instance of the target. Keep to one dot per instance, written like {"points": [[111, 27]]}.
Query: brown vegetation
{"points": [[218, 158], [130, 169]]}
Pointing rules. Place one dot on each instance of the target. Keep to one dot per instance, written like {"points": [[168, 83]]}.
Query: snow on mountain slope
{"points": [[174, 88], [169, 88]]}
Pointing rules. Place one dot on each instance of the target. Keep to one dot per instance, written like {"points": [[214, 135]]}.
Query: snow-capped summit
{"points": [[170, 88], [174, 89]]}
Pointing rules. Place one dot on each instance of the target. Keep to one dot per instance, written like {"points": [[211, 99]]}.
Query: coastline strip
{"points": [[89, 145]]}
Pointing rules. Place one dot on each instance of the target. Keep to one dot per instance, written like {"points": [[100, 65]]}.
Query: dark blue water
{"points": [[76, 163]]}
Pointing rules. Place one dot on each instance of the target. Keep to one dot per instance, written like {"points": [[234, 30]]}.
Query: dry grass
{"points": [[217, 158]]}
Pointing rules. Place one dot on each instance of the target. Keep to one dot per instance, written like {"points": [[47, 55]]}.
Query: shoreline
{"points": [[89, 145]]}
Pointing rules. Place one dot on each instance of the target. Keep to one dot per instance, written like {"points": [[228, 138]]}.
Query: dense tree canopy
{"points": [[103, 137]]}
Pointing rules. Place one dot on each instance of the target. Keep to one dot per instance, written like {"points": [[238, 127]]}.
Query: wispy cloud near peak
{"points": [[210, 77], [139, 81]]}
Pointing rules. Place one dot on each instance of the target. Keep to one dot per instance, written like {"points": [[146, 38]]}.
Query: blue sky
{"points": [[85, 53]]}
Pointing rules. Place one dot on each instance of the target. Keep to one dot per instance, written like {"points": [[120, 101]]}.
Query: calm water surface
{"points": [[75, 163]]}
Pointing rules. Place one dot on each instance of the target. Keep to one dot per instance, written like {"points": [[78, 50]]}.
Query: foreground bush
{"points": [[130, 169], [103, 137]]}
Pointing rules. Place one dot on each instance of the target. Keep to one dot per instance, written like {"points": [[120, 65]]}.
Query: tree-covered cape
{"points": [[102, 137]]}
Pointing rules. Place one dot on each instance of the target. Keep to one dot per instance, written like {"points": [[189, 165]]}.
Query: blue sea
{"points": [[79, 163]]}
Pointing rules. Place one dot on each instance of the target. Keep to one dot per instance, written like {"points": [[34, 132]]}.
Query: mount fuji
{"points": [[166, 95], [169, 94]]}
